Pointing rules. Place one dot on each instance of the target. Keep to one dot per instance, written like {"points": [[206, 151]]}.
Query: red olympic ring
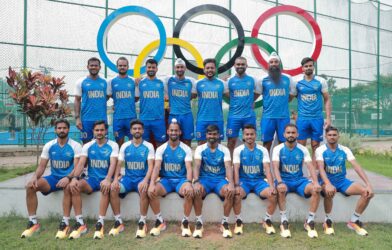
{"points": [[304, 17]]}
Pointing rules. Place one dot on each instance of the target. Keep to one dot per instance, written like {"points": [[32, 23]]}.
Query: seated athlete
{"points": [[331, 159]]}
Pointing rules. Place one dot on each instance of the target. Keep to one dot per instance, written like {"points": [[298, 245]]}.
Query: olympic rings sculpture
{"points": [[177, 43]]}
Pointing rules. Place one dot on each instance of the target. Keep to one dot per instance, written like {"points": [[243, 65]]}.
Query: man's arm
{"points": [[327, 105], [38, 173], [77, 112], [363, 176]]}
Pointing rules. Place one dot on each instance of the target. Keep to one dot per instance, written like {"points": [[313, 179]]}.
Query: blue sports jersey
{"points": [[290, 160], [212, 163], [334, 161], [94, 96], [123, 94], [173, 160], [210, 94], [251, 161], [136, 158], [61, 158], [276, 97], [310, 97], [151, 99], [241, 90], [99, 157], [180, 94]]}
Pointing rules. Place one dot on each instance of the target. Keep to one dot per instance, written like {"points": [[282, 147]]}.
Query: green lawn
{"points": [[6, 173], [254, 238], [381, 164]]}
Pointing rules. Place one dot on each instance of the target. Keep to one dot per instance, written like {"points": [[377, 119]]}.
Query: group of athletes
{"points": [[231, 173]]}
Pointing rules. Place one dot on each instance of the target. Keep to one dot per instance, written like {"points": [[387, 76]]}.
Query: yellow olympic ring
{"points": [[170, 41]]}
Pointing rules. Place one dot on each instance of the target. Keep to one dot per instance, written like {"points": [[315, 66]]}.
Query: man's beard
{"points": [[151, 73], [62, 135], [275, 73]]}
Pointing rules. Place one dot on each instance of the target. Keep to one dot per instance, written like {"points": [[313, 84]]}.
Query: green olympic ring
{"points": [[266, 47]]}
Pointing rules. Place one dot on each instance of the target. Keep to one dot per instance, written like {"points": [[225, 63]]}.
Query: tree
{"points": [[41, 98]]}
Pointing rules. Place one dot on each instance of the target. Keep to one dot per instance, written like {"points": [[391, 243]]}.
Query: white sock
{"points": [[79, 218], [283, 216], [143, 218], [199, 218], [185, 218], [225, 219], [118, 217], [33, 218], [267, 217], [66, 220], [159, 217], [237, 217], [355, 217], [310, 217], [101, 219], [328, 216]]}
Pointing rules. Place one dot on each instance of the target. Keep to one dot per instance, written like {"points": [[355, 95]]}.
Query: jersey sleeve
{"points": [[188, 152], [258, 87], [137, 92], [151, 151], [77, 149], [226, 86], [198, 151], [266, 157], [226, 153], [193, 81], [236, 155], [45, 150], [121, 153], [165, 81], [293, 86], [319, 153], [324, 85], [307, 157], [109, 87], [275, 153], [114, 149], [85, 148], [160, 151], [349, 153], [78, 87]]}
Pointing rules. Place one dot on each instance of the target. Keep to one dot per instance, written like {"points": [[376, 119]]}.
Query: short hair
{"points": [[122, 58], [249, 126], [331, 128], [100, 122], [291, 125], [58, 121], [209, 60], [152, 61], [306, 60], [212, 128], [93, 59], [136, 122], [241, 58]]}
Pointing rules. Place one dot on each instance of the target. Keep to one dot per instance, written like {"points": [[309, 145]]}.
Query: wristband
{"points": [[195, 181], [237, 185], [281, 182], [188, 181], [69, 177]]}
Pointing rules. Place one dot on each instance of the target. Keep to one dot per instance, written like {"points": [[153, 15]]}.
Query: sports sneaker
{"points": [[328, 228], [284, 229], [117, 228], [78, 230], [226, 233], [98, 234], [63, 231], [141, 230], [158, 227], [357, 226], [185, 229], [269, 228], [309, 227], [198, 233], [239, 227], [30, 230]]}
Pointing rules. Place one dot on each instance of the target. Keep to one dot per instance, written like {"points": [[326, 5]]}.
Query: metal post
{"points": [[349, 71], [378, 69], [174, 25], [277, 30], [315, 18], [229, 35], [106, 39], [25, 66]]}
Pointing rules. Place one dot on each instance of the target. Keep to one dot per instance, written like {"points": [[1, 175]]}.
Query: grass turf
{"points": [[378, 163], [9, 173], [380, 237]]}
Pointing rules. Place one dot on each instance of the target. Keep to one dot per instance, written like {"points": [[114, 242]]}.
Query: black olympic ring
{"points": [[222, 12]]}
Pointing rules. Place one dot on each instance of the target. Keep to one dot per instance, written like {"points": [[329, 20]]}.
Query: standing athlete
{"points": [[124, 94], [101, 158], [251, 166], [173, 164], [63, 154], [287, 159], [331, 159], [138, 157], [152, 99], [91, 94], [277, 90], [310, 91], [213, 173], [181, 89], [242, 90], [209, 92]]}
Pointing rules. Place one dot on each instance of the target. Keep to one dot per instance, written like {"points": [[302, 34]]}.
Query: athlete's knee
{"points": [[238, 198]]}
